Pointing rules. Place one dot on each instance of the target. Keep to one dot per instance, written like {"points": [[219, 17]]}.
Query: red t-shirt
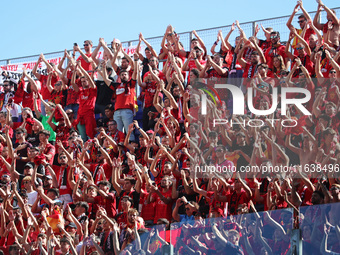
{"points": [[192, 65], [49, 150], [21, 96], [213, 203], [163, 210], [273, 51], [331, 95], [87, 100], [108, 203], [44, 91], [118, 136], [97, 175], [125, 94], [149, 93], [62, 133], [306, 62], [84, 64], [72, 96], [148, 210], [264, 45]]}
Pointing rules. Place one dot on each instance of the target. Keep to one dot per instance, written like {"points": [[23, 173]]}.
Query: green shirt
{"points": [[43, 120]]}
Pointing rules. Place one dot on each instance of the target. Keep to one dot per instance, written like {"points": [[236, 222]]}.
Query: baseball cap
{"points": [[72, 225]]}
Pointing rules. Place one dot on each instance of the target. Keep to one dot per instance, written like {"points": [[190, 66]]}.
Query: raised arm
{"points": [[34, 85], [86, 58], [296, 9], [49, 121], [88, 77], [316, 20], [168, 95], [240, 58], [334, 18], [153, 52], [200, 41], [35, 68], [226, 39]]}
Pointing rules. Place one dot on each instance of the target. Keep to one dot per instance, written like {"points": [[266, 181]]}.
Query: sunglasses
{"points": [[300, 48], [85, 44], [273, 36], [62, 157], [332, 72], [301, 21]]}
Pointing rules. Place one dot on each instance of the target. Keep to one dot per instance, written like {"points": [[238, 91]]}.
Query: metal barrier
{"points": [[208, 36]]}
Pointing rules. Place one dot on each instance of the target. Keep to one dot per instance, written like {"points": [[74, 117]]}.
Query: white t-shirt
{"points": [[32, 196]]}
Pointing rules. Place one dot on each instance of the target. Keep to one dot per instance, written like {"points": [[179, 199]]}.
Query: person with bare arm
{"points": [[331, 28]]}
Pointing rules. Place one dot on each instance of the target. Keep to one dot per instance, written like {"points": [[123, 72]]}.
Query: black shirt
{"points": [[104, 93]]}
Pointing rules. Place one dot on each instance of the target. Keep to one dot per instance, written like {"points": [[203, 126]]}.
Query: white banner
{"points": [[15, 70]]}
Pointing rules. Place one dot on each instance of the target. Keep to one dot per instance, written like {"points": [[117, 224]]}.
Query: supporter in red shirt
{"points": [[264, 44], [127, 190], [64, 126], [87, 94], [250, 68], [303, 52], [58, 92], [5, 162], [276, 49], [125, 97], [117, 135], [194, 60], [151, 56], [102, 169], [84, 58], [149, 86], [26, 97], [148, 207], [332, 83], [241, 194], [43, 79], [214, 70], [164, 200], [105, 199], [47, 150], [302, 20], [60, 178]]}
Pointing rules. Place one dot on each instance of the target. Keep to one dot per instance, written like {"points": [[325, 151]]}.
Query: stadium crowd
{"points": [[80, 174]]}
